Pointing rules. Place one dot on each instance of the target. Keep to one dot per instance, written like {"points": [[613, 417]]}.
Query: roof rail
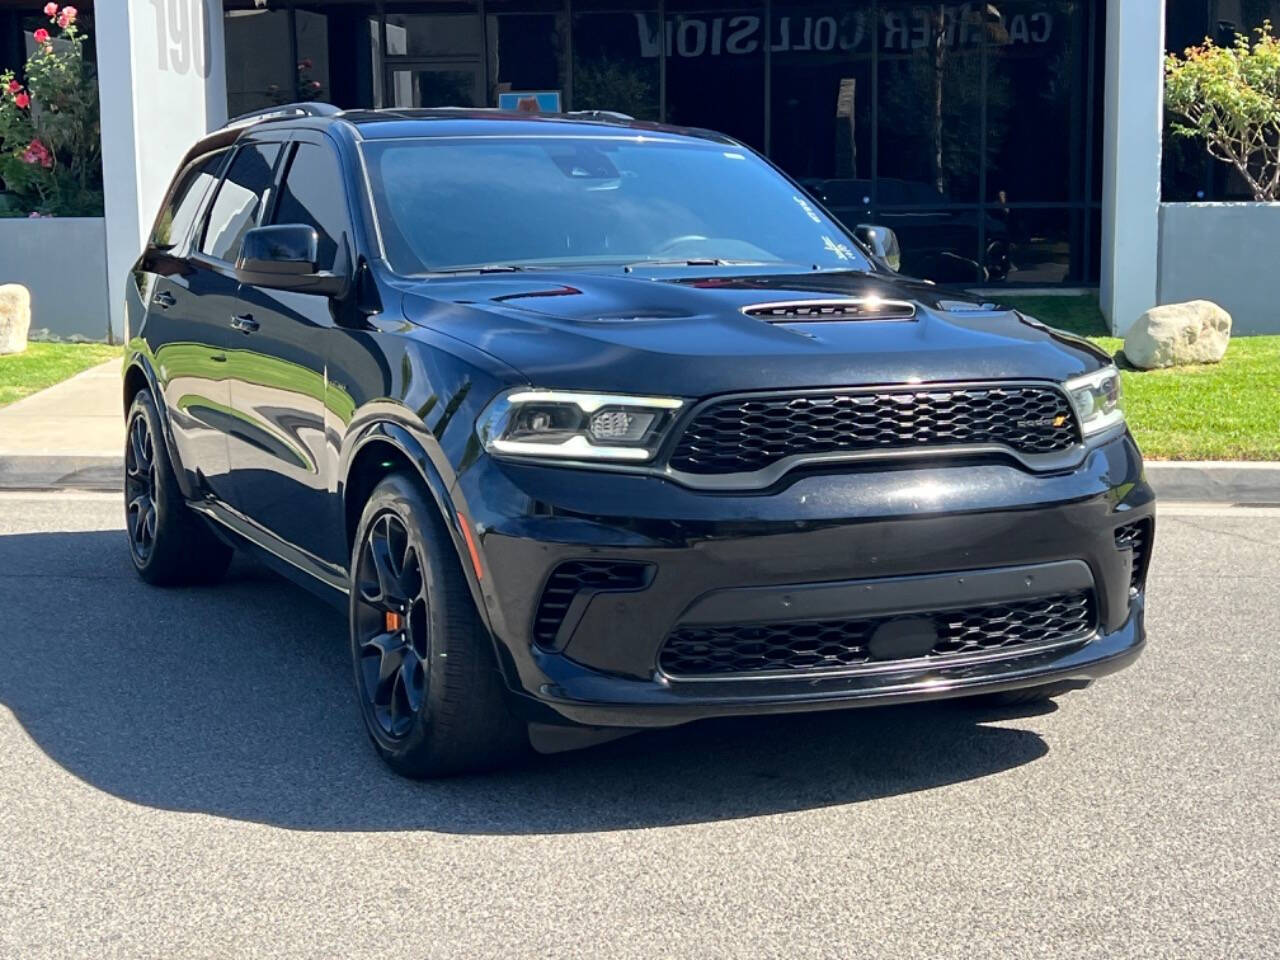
{"points": [[307, 109], [606, 115]]}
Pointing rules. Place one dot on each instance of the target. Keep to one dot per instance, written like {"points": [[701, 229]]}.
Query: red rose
{"points": [[22, 100], [15, 86], [41, 36]]}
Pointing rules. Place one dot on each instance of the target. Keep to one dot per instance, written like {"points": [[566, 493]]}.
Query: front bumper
{"points": [[827, 535]]}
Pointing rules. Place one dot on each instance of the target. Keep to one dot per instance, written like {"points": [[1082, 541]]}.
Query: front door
{"points": [[285, 467]]}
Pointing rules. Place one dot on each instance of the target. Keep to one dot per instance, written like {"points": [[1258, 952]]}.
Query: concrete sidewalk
{"points": [[70, 435]]}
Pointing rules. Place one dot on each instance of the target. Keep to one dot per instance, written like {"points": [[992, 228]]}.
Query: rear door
{"points": [[284, 465], [182, 340]]}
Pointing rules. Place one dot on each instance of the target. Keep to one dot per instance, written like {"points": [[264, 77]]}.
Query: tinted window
{"points": [[445, 203], [313, 194], [175, 220], [235, 209]]}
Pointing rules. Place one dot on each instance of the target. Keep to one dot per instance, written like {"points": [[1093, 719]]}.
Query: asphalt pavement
{"points": [[182, 774]]}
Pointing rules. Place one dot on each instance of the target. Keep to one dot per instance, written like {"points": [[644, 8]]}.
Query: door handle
{"points": [[164, 299], [244, 322]]}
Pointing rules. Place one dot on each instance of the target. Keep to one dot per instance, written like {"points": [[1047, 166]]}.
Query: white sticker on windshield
{"points": [[804, 205], [841, 250]]}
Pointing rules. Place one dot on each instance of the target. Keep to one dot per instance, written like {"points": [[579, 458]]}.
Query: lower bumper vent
{"points": [[817, 645], [582, 578], [1136, 536]]}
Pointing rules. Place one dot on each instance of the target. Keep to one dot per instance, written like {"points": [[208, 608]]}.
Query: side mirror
{"points": [[283, 257], [882, 242]]}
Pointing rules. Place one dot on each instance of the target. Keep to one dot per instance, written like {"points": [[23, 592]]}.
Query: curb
{"points": [[1215, 481], [59, 472], [1174, 480]]}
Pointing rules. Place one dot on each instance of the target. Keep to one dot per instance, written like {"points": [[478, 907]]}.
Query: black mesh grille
{"points": [[574, 576], [736, 436], [833, 644], [1136, 536]]}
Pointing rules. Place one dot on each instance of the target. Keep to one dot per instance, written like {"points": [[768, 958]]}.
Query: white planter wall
{"points": [[63, 262], [1224, 252]]}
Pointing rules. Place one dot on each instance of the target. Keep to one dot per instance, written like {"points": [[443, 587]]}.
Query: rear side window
{"points": [[235, 208], [313, 194], [179, 214]]}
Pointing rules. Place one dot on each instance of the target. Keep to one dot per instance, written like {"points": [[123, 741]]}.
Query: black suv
{"points": [[595, 425]]}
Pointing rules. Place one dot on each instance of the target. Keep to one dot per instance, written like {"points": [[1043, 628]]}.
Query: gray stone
{"points": [[1178, 333], [15, 317]]}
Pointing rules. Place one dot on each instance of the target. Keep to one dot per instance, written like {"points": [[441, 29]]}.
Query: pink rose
{"points": [[50, 10], [41, 36], [70, 13], [315, 84], [15, 86], [37, 153], [22, 100]]}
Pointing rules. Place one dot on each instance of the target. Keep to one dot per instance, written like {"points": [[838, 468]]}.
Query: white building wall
{"points": [[1133, 91], [162, 84]]}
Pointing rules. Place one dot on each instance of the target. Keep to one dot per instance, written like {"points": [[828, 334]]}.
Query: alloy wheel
{"points": [[140, 487], [391, 625]]}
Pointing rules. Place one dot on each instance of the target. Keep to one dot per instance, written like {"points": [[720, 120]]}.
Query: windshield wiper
{"points": [[485, 268], [695, 262]]}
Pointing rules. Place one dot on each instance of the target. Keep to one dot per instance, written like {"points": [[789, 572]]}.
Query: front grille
{"points": [[745, 435], [1136, 536], [816, 645], [576, 576]]}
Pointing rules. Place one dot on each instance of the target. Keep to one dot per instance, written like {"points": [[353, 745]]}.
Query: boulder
{"points": [[15, 317], [1178, 333]]}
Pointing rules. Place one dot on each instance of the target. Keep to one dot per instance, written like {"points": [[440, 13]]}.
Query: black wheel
{"points": [[1017, 698], [430, 693], [168, 543]]}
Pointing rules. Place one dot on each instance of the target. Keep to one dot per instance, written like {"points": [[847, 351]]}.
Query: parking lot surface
{"points": [[182, 773]]}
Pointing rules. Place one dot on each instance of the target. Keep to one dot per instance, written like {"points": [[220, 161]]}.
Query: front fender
{"points": [[138, 358]]}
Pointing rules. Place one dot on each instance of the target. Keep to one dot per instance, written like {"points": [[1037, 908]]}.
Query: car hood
{"points": [[679, 333]]}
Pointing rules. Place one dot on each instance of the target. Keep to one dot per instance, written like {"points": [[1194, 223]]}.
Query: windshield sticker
{"points": [[809, 211], [841, 250]]}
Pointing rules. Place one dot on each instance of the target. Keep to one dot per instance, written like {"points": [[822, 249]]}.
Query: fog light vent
{"points": [[1136, 536], [582, 578]]}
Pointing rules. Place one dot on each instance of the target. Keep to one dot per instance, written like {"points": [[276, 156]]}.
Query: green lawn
{"points": [[44, 364], [1224, 411]]}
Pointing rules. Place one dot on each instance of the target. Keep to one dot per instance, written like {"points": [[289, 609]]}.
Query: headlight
{"points": [[576, 426], [1096, 399]]}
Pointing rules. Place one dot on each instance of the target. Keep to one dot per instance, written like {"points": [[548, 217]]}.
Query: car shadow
{"points": [[236, 701]]}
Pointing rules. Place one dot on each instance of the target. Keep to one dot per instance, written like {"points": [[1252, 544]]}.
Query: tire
{"points": [[1029, 695], [169, 544], [430, 693]]}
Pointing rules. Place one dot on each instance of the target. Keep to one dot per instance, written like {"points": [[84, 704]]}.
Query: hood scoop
{"points": [[843, 309]]}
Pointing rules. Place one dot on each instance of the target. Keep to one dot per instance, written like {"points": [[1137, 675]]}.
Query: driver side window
{"points": [[313, 194]]}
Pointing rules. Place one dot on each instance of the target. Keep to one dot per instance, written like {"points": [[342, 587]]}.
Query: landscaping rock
{"points": [[1178, 333], [15, 317]]}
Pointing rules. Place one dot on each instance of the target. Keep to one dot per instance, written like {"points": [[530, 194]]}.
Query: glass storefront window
{"points": [[715, 68], [528, 43], [930, 101], [972, 128], [1035, 94], [616, 59], [821, 99]]}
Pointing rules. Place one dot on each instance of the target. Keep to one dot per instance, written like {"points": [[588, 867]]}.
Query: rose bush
{"points": [[50, 142]]}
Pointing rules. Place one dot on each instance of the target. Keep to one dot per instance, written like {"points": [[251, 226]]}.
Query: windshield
{"points": [[445, 203]]}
